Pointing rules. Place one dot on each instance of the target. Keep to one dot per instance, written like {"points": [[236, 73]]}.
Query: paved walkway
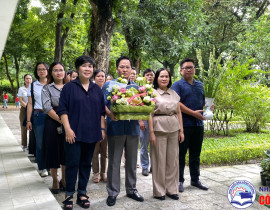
{"points": [[22, 188]]}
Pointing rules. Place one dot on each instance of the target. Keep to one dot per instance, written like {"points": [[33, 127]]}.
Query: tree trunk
{"points": [[8, 75], [169, 66], [17, 66], [60, 38], [101, 29]]}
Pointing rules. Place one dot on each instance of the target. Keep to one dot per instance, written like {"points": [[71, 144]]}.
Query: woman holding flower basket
{"points": [[165, 129]]}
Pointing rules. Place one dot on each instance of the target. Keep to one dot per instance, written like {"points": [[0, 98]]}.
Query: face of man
{"points": [[124, 68], [187, 71], [149, 77]]}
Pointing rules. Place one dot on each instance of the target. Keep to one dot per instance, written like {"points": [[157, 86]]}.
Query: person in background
{"points": [[5, 96], [133, 73], [17, 102], [23, 99], [67, 77], [109, 78], [165, 130], [99, 165], [82, 110], [149, 76], [121, 134], [53, 137], [35, 113], [73, 75], [191, 104]]}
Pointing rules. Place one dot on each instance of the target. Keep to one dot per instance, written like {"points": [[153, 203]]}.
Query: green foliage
{"points": [[234, 150], [252, 102], [212, 77]]}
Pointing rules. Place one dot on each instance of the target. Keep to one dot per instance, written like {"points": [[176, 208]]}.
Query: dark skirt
{"points": [[53, 144]]}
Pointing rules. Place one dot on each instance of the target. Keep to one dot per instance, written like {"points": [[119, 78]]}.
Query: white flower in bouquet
{"points": [[147, 99], [115, 88], [124, 81], [148, 87]]}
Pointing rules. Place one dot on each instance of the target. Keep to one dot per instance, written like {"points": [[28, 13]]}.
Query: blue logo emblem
{"points": [[241, 194]]}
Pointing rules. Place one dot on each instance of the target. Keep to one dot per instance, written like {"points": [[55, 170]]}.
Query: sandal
{"points": [[96, 178], [68, 203], [83, 203]]}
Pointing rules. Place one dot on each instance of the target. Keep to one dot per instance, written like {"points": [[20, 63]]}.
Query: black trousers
{"points": [[78, 163], [193, 142]]}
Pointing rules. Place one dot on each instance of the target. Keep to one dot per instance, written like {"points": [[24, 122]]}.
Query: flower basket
{"points": [[129, 112], [131, 102]]}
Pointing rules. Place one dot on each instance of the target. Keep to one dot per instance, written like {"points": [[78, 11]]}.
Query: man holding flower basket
{"points": [[126, 103]]}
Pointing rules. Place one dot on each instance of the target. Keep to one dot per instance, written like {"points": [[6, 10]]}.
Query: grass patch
{"points": [[239, 147]]}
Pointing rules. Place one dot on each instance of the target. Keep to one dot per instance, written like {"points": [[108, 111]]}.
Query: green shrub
{"points": [[232, 150]]}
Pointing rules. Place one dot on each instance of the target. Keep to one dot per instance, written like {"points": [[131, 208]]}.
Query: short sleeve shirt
{"points": [[50, 97], [165, 117], [192, 96], [23, 93], [37, 93]]}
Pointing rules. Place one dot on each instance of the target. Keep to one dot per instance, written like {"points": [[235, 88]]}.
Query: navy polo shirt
{"points": [[192, 96], [120, 127], [84, 110]]}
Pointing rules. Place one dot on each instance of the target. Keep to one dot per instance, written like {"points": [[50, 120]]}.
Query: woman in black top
{"points": [[82, 110]]}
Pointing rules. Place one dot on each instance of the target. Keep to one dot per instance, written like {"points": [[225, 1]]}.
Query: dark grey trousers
{"points": [[116, 144]]}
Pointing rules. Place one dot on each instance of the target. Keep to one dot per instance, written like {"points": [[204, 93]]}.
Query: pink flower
{"points": [[123, 90], [142, 89], [115, 97]]}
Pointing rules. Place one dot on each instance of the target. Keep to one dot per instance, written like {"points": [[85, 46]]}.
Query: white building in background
{"points": [[7, 12]]}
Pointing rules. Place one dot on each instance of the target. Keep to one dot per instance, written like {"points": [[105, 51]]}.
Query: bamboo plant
{"points": [[212, 77]]}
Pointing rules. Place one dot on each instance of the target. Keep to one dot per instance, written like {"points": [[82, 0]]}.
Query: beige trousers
{"points": [[165, 164], [23, 128], [102, 149]]}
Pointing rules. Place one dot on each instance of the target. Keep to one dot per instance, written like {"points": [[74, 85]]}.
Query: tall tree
{"points": [[100, 32], [61, 31]]}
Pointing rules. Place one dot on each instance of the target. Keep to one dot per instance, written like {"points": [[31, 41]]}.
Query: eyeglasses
{"points": [[42, 69], [188, 68], [58, 70]]}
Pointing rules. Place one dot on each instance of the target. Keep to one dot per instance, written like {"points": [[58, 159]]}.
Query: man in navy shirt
{"points": [[122, 134], [191, 104]]}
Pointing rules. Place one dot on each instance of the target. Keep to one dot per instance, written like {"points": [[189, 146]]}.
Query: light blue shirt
{"points": [[23, 93], [37, 94]]}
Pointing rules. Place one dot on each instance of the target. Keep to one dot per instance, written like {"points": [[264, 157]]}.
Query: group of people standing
{"points": [[73, 124]]}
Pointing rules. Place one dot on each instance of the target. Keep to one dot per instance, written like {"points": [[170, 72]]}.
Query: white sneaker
{"points": [[43, 173]]}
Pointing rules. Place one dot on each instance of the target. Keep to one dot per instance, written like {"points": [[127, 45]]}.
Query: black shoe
{"points": [[181, 187], [199, 185], [145, 172], [111, 200], [162, 198], [173, 196], [135, 196]]}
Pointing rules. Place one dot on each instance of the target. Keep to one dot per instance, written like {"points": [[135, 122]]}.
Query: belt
{"points": [[38, 110]]}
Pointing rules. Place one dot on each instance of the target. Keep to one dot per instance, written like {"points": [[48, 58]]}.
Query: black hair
{"points": [[98, 71], [147, 71], [84, 59], [26, 76], [72, 72], [123, 58], [109, 75], [155, 83], [50, 71], [35, 71], [187, 60], [69, 72]]}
